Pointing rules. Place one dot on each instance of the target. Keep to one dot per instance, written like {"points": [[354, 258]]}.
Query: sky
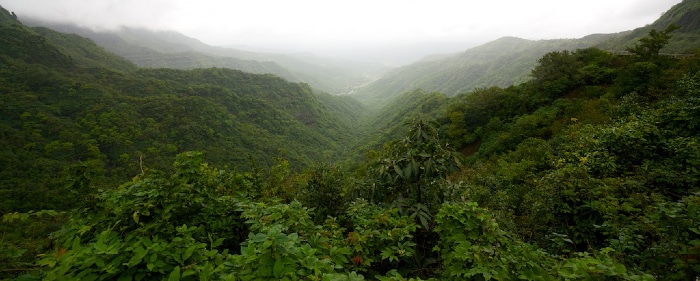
{"points": [[318, 25]]}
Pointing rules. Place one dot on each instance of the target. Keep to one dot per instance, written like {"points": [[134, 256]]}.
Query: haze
{"points": [[336, 27]]}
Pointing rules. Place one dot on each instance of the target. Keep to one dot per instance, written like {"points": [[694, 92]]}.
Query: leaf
{"points": [[407, 172], [138, 256], [188, 252], [398, 170], [205, 273], [424, 221], [175, 275], [278, 269]]}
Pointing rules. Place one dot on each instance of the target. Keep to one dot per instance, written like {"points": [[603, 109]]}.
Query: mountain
{"points": [[171, 49], [84, 51], [7, 17], [163, 50], [502, 62], [685, 40], [82, 114]]}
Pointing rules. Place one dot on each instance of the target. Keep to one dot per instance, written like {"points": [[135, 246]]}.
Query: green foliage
{"points": [[413, 167], [152, 226], [650, 46], [324, 188], [22, 238], [274, 255], [588, 172], [111, 255], [20, 43], [98, 126], [473, 247], [556, 72], [379, 236], [598, 267]]}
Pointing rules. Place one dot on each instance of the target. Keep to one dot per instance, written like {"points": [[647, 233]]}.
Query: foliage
{"points": [[412, 167], [650, 46], [153, 226], [474, 247], [587, 172], [325, 189], [89, 119], [504, 62]]}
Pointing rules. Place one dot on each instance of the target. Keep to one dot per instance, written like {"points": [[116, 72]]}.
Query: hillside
{"points": [[502, 62], [685, 40], [68, 104], [590, 170], [145, 49], [170, 49]]}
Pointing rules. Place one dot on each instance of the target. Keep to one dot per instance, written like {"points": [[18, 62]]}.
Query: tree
{"points": [[556, 73], [410, 166], [651, 45]]}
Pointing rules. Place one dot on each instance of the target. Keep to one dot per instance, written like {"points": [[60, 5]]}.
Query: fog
{"points": [[347, 27]]}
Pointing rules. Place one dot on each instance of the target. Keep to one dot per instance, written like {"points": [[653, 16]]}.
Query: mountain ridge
{"points": [[69, 104], [172, 49], [502, 62], [685, 40]]}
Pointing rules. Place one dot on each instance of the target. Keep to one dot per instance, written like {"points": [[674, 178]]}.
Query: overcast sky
{"points": [[319, 24]]}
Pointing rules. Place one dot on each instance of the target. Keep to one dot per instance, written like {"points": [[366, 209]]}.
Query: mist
{"points": [[369, 29]]}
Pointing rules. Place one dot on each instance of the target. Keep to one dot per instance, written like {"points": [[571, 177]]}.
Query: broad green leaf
{"points": [[175, 275], [188, 252], [139, 253], [278, 269]]}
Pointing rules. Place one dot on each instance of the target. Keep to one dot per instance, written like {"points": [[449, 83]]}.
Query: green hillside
{"points": [[589, 170], [685, 40], [169, 49], [67, 104], [503, 62], [84, 51], [6, 17], [162, 50]]}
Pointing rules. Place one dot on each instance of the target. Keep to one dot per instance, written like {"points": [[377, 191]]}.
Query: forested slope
{"points": [[163, 50], [502, 62], [684, 41], [589, 171], [68, 104], [171, 49]]}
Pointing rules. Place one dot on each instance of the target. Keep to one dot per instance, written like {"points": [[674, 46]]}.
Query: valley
{"points": [[133, 154]]}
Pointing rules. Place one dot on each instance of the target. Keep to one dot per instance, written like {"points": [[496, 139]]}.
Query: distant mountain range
{"points": [[169, 49], [685, 40], [509, 60], [502, 62]]}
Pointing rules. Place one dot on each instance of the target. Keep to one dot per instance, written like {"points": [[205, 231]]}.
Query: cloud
{"points": [[328, 24]]}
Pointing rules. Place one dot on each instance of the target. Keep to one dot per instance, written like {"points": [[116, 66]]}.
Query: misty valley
{"points": [[133, 154]]}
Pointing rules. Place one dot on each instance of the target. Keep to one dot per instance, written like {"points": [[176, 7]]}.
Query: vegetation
{"points": [[67, 122], [685, 40], [589, 171], [503, 62], [157, 49]]}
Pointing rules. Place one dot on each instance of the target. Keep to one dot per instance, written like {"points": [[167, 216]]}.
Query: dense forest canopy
{"points": [[590, 170]]}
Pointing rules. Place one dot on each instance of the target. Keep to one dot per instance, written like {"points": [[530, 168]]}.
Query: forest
{"points": [[589, 170]]}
